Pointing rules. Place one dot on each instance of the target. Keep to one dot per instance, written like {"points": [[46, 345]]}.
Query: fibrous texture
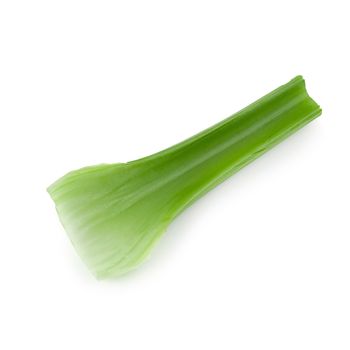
{"points": [[115, 213]]}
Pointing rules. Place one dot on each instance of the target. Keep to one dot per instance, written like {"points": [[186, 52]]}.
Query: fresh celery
{"points": [[115, 213]]}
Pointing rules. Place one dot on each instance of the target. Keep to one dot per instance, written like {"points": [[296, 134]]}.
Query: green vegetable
{"points": [[115, 213]]}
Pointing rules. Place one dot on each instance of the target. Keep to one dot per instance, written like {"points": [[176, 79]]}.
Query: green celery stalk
{"points": [[115, 213]]}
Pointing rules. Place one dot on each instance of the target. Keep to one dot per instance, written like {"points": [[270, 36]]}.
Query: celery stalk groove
{"points": [[115, 213]]}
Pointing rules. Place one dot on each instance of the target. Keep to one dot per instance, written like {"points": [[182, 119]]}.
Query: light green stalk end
{"points": [[115, 213], [112, 215]]}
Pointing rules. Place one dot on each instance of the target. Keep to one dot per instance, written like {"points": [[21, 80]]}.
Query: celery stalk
{"points": [[115, 213]]}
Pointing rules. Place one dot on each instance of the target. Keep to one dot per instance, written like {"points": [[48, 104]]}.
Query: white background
{"points": [[261, 262]]}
